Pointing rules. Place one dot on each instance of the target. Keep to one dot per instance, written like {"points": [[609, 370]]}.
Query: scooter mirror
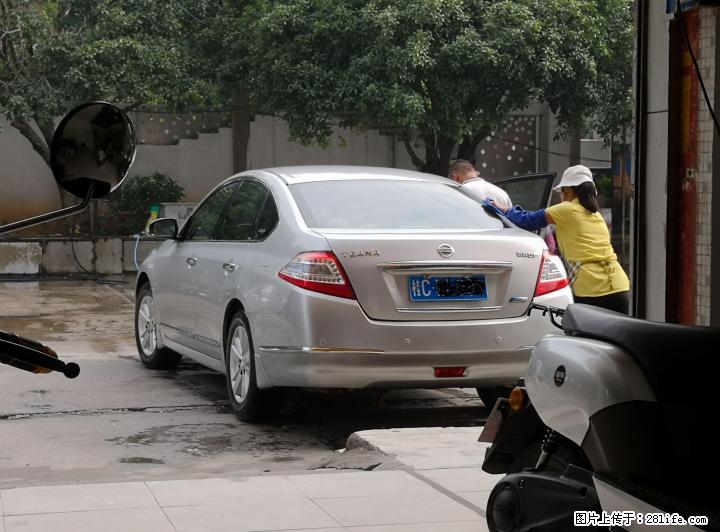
{"points": [[93, 147]]}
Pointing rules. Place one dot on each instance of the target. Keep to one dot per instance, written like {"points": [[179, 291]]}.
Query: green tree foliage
{"points": [[449, 70], [587, 64], [612, 117], [55, 54], [452, 70]]}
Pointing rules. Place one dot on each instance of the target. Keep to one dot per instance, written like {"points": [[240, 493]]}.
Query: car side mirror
{"points": [[163, 228]]}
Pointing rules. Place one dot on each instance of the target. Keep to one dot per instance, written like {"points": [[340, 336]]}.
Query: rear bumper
{"points": [[353, 369], [331, 343]]}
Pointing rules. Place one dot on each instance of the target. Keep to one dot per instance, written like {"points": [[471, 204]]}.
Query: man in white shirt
{"points": [[464, 172]]}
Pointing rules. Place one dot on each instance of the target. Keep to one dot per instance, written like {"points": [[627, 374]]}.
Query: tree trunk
{"points": [[437, 154], [417, 161], [468, 146], [36, 141], [240, 130], [445, 149]]}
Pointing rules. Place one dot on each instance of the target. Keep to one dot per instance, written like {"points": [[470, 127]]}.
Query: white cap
{"points": [[574, 176]]}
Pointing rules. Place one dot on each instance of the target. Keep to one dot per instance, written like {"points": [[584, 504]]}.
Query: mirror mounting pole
{"points": [[41, 219]]}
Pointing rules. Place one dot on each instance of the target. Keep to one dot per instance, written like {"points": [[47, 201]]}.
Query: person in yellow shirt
{"points": [[582, 235]]}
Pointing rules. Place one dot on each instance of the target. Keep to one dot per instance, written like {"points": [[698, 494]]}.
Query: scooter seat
{"points": [[680, 361]]}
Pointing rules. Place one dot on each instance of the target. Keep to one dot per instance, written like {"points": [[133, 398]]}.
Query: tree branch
{"points": [[8, 32], [35, 140], [417, 161]]}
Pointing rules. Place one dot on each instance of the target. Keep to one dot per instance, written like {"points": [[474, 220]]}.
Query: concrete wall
{"points": [[269, 147], [27, 185], [61, 256], [196, 164], [20, 258], [200, 164]]}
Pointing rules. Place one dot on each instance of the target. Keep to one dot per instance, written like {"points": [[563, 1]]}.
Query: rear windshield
{"points": [[389, 204]]}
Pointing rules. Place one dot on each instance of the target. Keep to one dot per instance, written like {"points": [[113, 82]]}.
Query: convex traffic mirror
{"points": [[93, 146]]}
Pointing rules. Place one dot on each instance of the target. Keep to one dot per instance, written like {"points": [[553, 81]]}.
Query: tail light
{"points": [[552, 275], [318, 271]]}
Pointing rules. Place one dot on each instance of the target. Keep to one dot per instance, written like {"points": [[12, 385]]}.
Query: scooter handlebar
{"points": [[552, 311]]}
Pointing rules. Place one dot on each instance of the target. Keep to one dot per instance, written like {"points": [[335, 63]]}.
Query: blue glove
{"points": [[530, 220], [488, 204]]}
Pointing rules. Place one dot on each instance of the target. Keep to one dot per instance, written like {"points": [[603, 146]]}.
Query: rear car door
{"points": [[234, 251], [530, 191], [176, 270]]}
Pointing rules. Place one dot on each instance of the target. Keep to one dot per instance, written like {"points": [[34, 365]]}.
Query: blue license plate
{"points": [[457, 288]]}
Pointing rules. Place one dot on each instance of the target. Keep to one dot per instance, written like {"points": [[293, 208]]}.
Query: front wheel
{"points": [[146, 334], [249, 402], [545, 499]]}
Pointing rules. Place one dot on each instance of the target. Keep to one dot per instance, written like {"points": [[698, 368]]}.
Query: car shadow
{"points": [[332, 415]]}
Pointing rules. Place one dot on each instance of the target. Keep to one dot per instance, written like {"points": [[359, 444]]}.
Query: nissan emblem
{"points": [[446, 250]]}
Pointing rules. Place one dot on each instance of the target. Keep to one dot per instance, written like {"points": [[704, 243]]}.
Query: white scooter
{"points": [[611, 429], [90, 155]]}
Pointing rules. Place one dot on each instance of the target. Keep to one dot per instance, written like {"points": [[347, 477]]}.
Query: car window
{"points": [[268, 219], [389, 204], [239, 219], [201, 224]]}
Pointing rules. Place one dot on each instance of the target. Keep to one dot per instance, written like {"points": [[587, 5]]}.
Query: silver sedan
{"points": [[344, 277]]}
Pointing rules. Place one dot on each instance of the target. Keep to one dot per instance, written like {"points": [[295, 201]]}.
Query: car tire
{"points": [[491, 394], [146, 332], [249, 402]]}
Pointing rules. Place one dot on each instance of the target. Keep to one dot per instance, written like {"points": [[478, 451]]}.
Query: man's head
{"points": [[462, 170]]}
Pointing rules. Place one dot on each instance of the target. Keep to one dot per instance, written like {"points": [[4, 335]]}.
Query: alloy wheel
{"points": [[240, 364], [146, 330]]}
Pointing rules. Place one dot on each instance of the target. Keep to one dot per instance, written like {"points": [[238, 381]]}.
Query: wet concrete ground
{"points": [[121, 421]]}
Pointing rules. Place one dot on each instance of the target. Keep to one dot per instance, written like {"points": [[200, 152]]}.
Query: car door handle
{"points": [[229, 267], [192, 261]]}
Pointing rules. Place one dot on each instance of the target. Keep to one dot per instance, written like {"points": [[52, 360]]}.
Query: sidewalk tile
{"points": [[218, 490], [136, 520], [457, 526], [251, 514], [358, 484], [436, 448], [76, 498], [403, 508], [462, 479]]}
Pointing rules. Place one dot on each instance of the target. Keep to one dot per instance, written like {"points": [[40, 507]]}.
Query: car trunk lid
{"points": [[419, 276]]}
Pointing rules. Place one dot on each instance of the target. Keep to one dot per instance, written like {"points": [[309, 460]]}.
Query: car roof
{"points": [[311, 173]]}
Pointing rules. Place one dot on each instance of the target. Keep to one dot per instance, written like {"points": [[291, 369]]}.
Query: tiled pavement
{"points": [[442, 489]]}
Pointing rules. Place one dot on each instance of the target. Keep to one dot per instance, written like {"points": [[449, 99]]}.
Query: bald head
{"points": [[462, 170]]}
